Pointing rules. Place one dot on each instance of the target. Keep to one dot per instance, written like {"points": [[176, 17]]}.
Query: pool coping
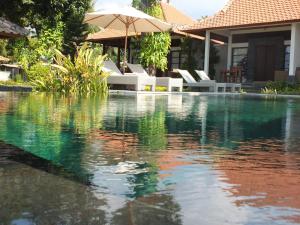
{"points": [[133, 93]]}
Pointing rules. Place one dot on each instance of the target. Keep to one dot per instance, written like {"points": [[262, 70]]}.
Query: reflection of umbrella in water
{"points": [[122, 17]]}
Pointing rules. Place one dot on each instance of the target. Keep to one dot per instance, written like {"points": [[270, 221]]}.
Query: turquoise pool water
{"points": [[147, 159]]}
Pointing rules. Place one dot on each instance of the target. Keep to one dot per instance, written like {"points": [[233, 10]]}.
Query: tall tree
{"points": [[45, 14], [154, 47]]}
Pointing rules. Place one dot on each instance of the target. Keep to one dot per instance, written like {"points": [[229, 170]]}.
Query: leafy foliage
{"points": [[43, 15], [82, 74], [281, 87], [154, 50], [30, 51], [154, 47], [3, 46]]}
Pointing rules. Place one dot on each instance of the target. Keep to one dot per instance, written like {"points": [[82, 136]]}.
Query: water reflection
{"points": [[150, 159]]}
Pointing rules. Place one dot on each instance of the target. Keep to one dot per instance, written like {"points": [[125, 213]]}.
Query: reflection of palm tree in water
{"points": [[53, 128]]}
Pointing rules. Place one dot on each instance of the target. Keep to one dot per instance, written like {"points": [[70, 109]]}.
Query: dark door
{"points": [[265, 62]]}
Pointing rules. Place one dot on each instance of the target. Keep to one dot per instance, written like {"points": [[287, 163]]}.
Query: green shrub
{"points": [[83, 74], [155, 47], [279, 87], [29, 51]]}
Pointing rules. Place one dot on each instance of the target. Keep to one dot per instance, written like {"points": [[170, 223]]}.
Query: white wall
{"points": [[295, 49]]}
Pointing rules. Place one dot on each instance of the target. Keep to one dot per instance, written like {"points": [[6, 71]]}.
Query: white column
{"points": [[295, 49], [229, 52], [207, 51]]}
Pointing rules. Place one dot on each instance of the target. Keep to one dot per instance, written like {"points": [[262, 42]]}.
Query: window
{"points": [[239, 56], [240, 59], [287, 57], [175, 59]]}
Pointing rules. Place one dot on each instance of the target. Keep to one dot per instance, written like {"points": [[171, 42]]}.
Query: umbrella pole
{"points": [[125, 51]]}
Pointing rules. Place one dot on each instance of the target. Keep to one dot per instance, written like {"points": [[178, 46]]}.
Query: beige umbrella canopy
{"points": [[4, 59], [125, 18]]}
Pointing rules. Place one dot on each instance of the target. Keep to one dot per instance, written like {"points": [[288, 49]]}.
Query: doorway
{"points": [[265, 62]]}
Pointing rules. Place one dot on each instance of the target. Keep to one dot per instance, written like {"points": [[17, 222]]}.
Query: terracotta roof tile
{"points": [[243, 13], [174, 16]]}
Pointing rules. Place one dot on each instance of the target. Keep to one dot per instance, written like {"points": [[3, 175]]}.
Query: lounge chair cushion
{"points": [[187, 76], [137, 69], [111, 68], [202, 75], [4, 75]]}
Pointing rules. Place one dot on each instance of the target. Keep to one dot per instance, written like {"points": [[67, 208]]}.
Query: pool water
{"points": [[149, 160]]}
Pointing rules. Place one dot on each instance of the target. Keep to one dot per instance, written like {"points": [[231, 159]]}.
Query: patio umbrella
{"points": [[4, 59], [123, 17]]}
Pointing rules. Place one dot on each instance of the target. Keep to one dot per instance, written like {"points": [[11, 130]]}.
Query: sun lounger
{"points": [[192, 83], [233, 86], [4, 75], [117, 78], [168, 82]]}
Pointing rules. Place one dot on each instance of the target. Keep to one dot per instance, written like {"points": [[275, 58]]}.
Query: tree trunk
{"points": [[152, 70]]}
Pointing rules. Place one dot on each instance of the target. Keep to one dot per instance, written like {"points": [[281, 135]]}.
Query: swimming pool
{"points": [[149, 159]]}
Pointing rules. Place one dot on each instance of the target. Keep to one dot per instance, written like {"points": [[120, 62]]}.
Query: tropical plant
{"points": [[282, 87], [278, 85], [29, 51], [269, 91], [81, 74], [155, 47]]}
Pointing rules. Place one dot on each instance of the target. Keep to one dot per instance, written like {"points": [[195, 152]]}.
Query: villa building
{"points": [[176, 58], [262, 37], [10, 30]]}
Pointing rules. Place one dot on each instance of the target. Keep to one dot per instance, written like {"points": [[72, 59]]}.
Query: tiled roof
{"points": [[9, 29], [174, 16], [245, 13]]}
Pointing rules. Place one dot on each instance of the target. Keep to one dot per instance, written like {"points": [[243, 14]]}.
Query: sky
{"points": [[194, 8]]}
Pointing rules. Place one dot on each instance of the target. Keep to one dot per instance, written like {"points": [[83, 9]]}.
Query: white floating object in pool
{"points": [[130, 167]]}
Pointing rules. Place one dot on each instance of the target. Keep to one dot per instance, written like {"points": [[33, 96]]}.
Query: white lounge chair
{"points": [[168, 82], [233, 86], [4, 75], [117, 78], [192, 83]]}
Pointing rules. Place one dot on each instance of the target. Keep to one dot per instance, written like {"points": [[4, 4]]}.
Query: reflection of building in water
{"points": [[262, 175], [292, 127], [6, 101]]}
